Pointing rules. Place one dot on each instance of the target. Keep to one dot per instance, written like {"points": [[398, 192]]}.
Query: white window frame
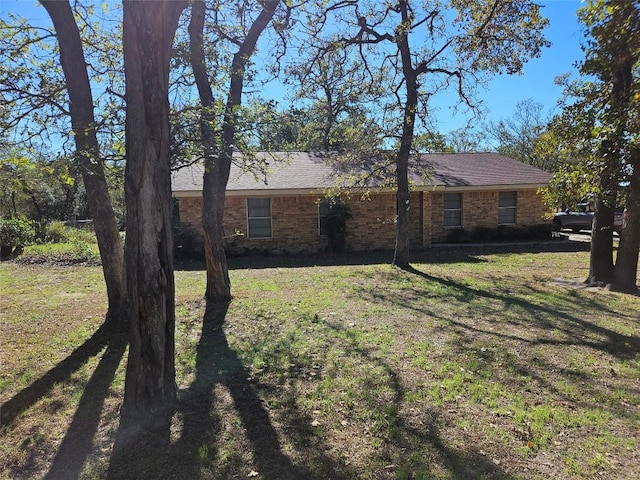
{"points": [[250, 218], [512, 209], [457, 209]]}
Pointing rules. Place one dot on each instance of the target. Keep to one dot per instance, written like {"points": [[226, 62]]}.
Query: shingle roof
{"points": [[297, 171], [482, 169]]}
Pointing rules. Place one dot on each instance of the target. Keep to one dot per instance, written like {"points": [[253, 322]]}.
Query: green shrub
{"points": [[484, 234], [187, 243], [457, 235], [69, 253], [83, 235], [501, 233], [338, 214], [56, 232], [15, 233]]}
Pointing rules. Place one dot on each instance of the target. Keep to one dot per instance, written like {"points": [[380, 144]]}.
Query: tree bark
{"points": [[150, 389], [401, 253], [622, 103], [218, 157], [216, 169], [601, 256], [88, 155], [601, 268], [626, 268]]}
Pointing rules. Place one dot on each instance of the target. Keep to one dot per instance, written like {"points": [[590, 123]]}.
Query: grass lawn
{"points": [[477, 364]]}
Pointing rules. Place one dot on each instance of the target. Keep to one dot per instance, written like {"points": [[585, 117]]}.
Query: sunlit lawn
{"points": [[474, 365]]}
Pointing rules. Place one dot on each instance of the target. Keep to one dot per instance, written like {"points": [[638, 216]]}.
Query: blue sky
{"points": [[537, 82], [501, 95]]}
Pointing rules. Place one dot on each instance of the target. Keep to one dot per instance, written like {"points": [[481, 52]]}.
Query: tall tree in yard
{"points": [[218, 146], [625, 97], [88, 155], [148, 33], [36, 110], [609, 101], [422, 48]]}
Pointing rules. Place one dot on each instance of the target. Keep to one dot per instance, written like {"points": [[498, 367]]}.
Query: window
{"points": [[507, 202], [259, 217], [452, 210]]}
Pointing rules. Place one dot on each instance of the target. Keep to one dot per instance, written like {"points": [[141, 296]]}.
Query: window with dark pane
{"points": [[507, 202], [452, 210], [259, 217]]}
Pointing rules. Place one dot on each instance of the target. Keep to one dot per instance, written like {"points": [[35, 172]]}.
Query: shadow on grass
{"points": [[195, 453], [77, 444], [217, 363], [439, 254], [416, 448], [614, 343], [27, 397], [532, 324]]}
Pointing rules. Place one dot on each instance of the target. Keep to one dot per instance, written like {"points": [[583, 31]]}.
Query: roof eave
{"points": [[320, 191], [477, 188]]}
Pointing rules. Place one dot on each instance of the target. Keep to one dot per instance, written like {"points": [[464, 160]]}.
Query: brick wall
{"points": [[191, 211], [294, 223], [480, 209], [294, 226], [531, 208], [294, 220]]}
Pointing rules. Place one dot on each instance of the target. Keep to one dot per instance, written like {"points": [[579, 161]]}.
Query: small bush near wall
{"points": [[458, 235], [187, 243], [501, 233], [336, 223]]}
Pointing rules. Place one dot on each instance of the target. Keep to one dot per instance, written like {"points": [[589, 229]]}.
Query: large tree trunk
{"points": [[218, 158], [217, 169], [601, 270], [88, 155], [601, 257], [626, 269], [150, 389], [401, 253]]}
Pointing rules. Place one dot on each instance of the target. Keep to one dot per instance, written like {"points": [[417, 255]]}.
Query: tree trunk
{"points": [[150, 389], [626, 269], [625, 275], [216, 172], [401, 253], [601, 257], [88, 156], [601, 270], [217, 158]]}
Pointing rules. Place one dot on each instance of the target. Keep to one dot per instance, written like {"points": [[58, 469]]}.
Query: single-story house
{"points": [[284, 213]]}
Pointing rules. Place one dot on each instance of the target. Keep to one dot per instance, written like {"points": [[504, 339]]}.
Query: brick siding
{"points": [[480, 209], [295, 229]]}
